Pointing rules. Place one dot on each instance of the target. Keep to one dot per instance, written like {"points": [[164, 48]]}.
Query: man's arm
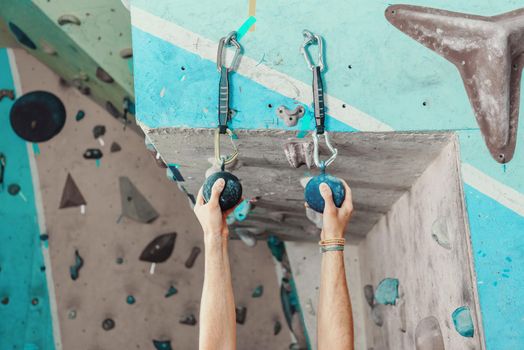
{"points": [[335, 318], [217, 306]]}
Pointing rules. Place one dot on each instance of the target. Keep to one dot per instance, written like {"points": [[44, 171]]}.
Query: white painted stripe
{"points": [[300, 91], [40, 212], [494, 189], [260, 73]]}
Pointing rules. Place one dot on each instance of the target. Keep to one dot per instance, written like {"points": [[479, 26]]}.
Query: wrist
{"points": [[215, 239], [331, 234]]}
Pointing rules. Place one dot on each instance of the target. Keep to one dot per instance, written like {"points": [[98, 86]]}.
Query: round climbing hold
{"points": [[119, 260], [13, 189], [5, 300], [71, 314], [80, 115], [34, 302], [314, 198], [108, 324], [231, 194], [38, 116], [130, 299]]}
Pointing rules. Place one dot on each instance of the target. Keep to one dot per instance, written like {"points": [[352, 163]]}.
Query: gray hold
{"points": [[291, 117]]}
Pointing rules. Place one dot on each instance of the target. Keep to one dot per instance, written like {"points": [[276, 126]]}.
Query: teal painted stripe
{"points": [[245, 27], [498, 250], [25, 321]]}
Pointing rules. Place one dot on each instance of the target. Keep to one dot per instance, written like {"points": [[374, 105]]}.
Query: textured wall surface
{"points": [[103, 285], [377, 80]]}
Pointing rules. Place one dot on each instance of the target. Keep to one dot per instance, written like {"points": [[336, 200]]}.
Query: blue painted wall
{"points": [[392, 78], [22, 269]]}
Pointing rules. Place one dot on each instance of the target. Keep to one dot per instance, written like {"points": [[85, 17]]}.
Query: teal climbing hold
{"points": [[242, 210], [75, 269], [387, 291], [80, 115], [130, 299], [463, 322], [171, 291], [258, 291], [276, 246], [162, 344]]}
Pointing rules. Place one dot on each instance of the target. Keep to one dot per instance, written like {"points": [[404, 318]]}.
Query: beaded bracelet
{"points": [[331, 248]]}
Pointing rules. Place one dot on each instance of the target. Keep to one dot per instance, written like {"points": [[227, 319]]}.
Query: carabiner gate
{"points": [[225, 160], [316, 157], [312, 39], [228, 41]]}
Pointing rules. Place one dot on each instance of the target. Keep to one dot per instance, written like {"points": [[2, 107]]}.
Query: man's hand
{"points": [[335, 219], [211, 218]]}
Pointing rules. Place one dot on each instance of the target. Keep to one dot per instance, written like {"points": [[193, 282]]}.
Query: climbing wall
{"points": [[377, 80], [114, 301]]}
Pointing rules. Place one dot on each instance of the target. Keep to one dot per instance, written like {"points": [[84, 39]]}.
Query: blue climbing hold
{"points": [[242, 210], [130, 299], [314, 198], [387, 291], [463, 322], [232, 192]]}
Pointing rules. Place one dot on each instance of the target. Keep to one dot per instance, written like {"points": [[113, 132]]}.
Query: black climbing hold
{"points": [[192, 257], [258, 291], [13, 189], [21, 36], [115, 147], [71, 195], [98, 131], [93, 153], [130, 299], [103, 75], [113, 110], [312, 192], [162, 344], [68, 19], [38, 116], [134, 205], [108, 324], [80, 115], [44, 237], [119, 260], [74, 270], [189, 320], [232, 193], [159, 249], [241, 313], [5, 300], [171, 291], [34, 301], [277, 327]]}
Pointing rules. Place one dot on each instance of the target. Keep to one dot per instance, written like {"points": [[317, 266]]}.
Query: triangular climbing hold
{"points": [[134, 205], [71, 195]]}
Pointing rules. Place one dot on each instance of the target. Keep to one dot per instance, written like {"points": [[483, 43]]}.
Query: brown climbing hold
{"points": [[10, 94], [68, 19], [103, 75], [189, 320], [192, 257], [299, 152], [126, 53], [71, 195], [115, 147]]}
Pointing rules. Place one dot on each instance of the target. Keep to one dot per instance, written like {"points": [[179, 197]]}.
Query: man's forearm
{"points": [[335, 319], [217, 308]]}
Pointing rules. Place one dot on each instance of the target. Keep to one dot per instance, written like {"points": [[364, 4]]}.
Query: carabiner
{"points": [[311, 39], [228, 41], [316, 158], [221, 160]]}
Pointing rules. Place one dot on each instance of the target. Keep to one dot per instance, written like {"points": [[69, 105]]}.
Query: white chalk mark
{"points": [[260, 73], [82, 209], [494, 189], [152, 269], [162, 92], [22, 196], [101, 141]]}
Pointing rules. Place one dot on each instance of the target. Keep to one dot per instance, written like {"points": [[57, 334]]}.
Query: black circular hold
{"points": [[38, 116], [5, 300], [35, 301], [13, 189], [232, 192], [108, 324], [314, 198]]}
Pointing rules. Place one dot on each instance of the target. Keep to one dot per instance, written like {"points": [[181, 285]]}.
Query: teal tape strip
{"points": [[36, 149], [245, 27], [98, 163]]}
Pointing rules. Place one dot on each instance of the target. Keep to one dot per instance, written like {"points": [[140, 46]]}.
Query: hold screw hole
{"points": [[270, 105], [183, 68], [343, 105], [424, 103], [349, 66]]}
